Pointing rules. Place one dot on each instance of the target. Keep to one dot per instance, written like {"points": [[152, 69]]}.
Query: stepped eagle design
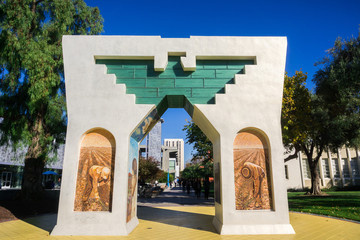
{"points": [[198, 87]]}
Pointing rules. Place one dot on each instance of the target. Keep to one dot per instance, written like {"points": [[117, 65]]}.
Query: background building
{"points": [[169, 160], [170, 155], [12, 165], [179, 145], [341, 168], [153, 143]]}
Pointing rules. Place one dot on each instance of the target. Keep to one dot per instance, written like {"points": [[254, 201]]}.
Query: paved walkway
{"points": [[176, 197], [167, 218]]}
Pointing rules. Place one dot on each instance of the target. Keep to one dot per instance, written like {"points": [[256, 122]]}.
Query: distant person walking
{"points": [[188, 187], [198, 188], [207, 188]]}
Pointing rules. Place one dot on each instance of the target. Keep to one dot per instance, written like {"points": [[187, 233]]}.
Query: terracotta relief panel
{"points": [[95, 173], [252, 172]]}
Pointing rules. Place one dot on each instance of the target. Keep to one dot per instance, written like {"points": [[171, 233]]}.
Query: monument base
{"points": [[130, 226]]}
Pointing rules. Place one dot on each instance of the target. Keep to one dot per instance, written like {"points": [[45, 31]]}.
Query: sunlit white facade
{"points": [[341, 168]]}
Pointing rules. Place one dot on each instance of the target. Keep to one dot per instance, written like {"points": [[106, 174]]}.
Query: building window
{"points": [[335, 165], [171, 164], [354, 167], [286, 172], [6, 179], [345, 167], [306, 169], [326, 169]]}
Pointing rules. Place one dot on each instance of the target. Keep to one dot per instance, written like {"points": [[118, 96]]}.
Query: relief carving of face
{"points": [[104, 175]]}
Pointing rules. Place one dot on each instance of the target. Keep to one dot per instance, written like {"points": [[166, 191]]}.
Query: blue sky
{"points": [[311, 28]]}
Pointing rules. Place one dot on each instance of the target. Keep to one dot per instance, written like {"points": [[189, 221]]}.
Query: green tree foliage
{"points": [[148, 170], [295, 111], [202, 163], [338, 83], [202, 144], [32, 92], [191, 172], [163, 177], [198, 170]]}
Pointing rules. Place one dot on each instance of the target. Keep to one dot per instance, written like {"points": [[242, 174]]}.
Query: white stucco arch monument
{"points": [[117, 88]]}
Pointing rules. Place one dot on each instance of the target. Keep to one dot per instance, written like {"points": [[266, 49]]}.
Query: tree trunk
{"points": [[32, 178], [34, 165], [313, 162], [315, 180]]}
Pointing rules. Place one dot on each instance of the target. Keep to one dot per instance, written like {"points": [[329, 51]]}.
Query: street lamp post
{"points": [[168, 177]]}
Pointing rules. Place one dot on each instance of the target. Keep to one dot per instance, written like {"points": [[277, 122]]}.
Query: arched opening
{"points": [[95, 171], [252, 171], [170, 163]]}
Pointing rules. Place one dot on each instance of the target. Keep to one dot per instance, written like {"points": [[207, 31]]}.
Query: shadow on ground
{"points": [[43, 212], [165, 216], [40, 213], [177, 218], [46, 222]]}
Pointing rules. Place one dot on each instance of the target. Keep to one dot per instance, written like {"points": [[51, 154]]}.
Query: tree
{"points": [[202, 144], [305, 125], [295, 113], [202, 162], [338, 83], [32, 92], [148, 170], [191, 172], [164, 175], [198, 170]]}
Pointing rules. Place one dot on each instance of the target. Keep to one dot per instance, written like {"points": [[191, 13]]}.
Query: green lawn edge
{"points": [[340, 204]]}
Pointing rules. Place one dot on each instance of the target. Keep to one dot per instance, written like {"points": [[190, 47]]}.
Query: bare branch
{"points": [[292, 156]]}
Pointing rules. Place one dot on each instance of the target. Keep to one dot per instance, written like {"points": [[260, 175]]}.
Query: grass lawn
{"points": [[341, 204]]}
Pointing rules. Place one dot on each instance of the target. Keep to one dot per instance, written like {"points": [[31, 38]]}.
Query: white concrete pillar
{"points": [[331, 168], [340, 167], [348, 157], [358, 160], [301, 169], [321, 170]]}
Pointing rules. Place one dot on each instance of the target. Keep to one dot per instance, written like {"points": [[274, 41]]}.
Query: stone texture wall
{"points": [[9, 156], [154, 147]]}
